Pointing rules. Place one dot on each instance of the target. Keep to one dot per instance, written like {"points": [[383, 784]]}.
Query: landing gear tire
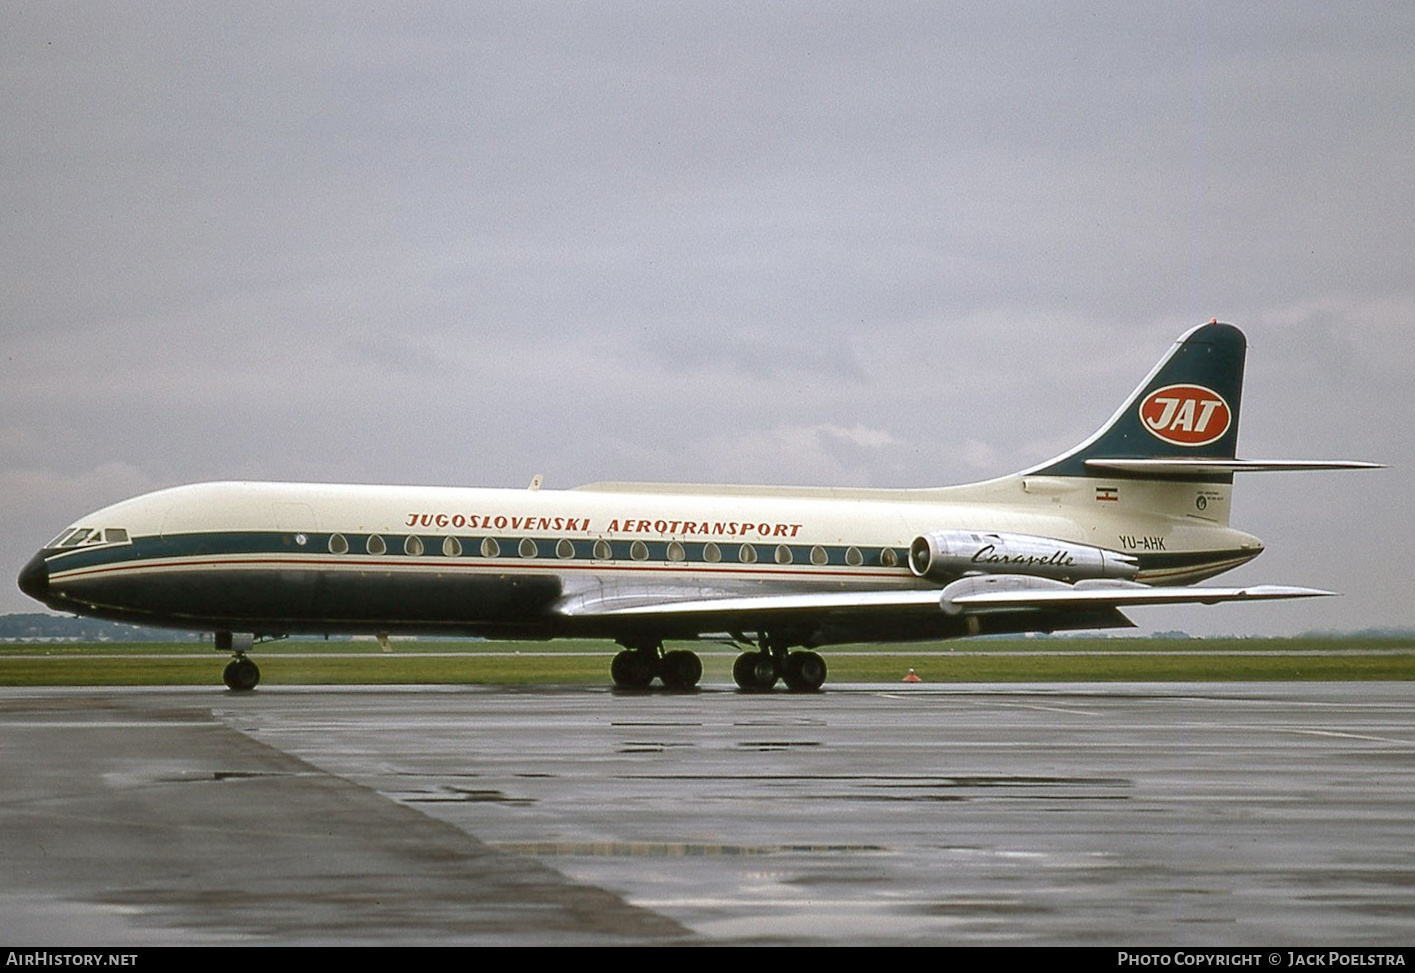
{"points": [[241, 675], [680, 669], [632, 669], [805, 672], [755, 671]]}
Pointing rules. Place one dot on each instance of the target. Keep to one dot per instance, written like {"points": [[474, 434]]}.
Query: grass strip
{"points": [[299, 662]]}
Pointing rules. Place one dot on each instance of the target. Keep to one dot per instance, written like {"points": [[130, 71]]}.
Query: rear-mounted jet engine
{"points": [[943, 555]]}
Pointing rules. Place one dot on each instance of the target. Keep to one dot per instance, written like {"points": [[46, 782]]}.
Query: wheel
{"points": [[632, 670], [619, 669], [241, 674], [754, 671], [805, 672], [680, 669], [742, 669]]}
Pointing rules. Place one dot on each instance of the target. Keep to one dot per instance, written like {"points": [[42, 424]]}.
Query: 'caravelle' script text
{"points": [[988, 555]]}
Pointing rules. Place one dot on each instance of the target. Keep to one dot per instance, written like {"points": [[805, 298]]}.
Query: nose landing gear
{"points": [[240, 674]]}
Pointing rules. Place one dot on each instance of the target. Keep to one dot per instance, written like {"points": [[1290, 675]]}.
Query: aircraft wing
{"points": [[967, 596], [992, 593]]}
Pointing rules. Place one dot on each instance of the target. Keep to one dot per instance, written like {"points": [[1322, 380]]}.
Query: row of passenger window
{"points": [[603, 550]]}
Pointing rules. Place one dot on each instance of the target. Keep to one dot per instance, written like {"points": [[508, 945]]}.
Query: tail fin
{"points": [[1181, 422]]}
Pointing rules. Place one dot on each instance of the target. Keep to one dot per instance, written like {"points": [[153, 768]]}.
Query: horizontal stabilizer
{"points": [[1195, 466]]}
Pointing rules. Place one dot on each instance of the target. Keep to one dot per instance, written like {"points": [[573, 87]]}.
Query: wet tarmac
{"points": [[1116, 814]]}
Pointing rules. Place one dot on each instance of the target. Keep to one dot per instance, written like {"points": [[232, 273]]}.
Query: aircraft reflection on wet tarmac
{"points": [[1160, 814]]}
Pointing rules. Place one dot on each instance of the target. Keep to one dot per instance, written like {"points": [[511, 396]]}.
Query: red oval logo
{"points": [[1186, 415]]}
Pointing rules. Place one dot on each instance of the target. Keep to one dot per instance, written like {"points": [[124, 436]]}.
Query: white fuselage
{"points": [[277, 557]]}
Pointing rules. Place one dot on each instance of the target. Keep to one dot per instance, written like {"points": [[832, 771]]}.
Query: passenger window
{"points": [[888, 558], [413, 546], [819, 556], [602, 550], [711, 553], [338, 544], [854, 558], [564, 548], [675, 551], [783, 554], [747, 554], [528, 548], [452, 547], [376, 545], [639, 551], [489, 547]]}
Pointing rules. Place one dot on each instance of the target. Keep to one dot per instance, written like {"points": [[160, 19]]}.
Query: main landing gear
{"points": [[757, 671], [240, 674], [638, 665]]}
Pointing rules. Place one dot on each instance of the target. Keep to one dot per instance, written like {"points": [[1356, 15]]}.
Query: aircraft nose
{"points": [[34, 578]]}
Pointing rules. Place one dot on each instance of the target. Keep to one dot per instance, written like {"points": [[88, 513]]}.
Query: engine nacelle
{"points": [[943, 555]]}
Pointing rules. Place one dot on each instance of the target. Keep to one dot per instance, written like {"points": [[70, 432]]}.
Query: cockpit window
{"points": [[89, 536]]}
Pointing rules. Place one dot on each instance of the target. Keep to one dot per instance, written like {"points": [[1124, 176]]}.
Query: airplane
{"points": [[1134, 515]]}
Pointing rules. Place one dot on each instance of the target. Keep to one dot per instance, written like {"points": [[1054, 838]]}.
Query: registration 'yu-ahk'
{"points": [[1135, 515]]}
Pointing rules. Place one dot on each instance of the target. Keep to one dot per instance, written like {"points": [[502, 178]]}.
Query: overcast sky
{"points": [[883, 244]]}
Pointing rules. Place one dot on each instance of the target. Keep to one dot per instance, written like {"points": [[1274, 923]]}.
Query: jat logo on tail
{"points": [[1186, 415]]}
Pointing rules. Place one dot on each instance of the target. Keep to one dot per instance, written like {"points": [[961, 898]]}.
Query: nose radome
{"points": [[34, 578]]}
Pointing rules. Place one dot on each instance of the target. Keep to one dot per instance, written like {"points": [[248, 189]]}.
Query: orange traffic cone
{"points": [[912, 676]]}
